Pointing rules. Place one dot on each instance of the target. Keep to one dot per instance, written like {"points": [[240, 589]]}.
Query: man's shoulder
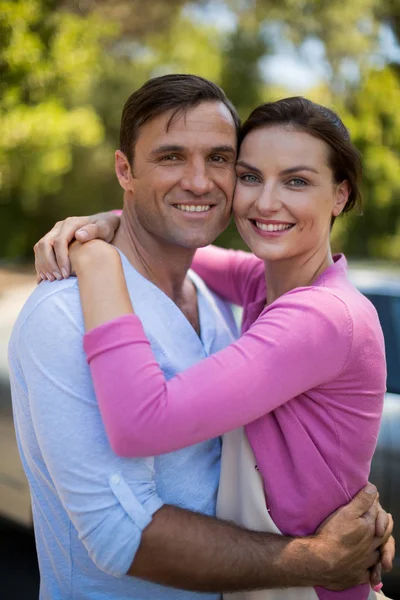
{"points": [[50, 295], [52, 308]]}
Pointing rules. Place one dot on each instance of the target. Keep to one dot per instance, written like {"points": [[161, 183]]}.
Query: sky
{"points": [[295, 69]]}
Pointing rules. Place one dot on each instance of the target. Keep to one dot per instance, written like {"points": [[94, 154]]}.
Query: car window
{"points": [[388, 308]]}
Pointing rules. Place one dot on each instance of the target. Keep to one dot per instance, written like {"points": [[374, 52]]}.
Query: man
{"points": [[115, 528]]}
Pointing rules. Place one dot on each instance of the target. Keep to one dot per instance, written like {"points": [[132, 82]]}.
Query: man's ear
{"points": [[343, 191], [123, 171]]}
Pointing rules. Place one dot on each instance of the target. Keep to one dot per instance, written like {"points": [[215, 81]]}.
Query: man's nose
{"points": [[197, 180]]}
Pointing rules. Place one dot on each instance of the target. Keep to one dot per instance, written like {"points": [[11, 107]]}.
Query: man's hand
{"points": [[349, 544], [51, 251], [383, 521]]}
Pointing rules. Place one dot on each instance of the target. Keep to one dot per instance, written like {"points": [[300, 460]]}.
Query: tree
{"points": [[49, 62], [67, 67], [374, 121]]}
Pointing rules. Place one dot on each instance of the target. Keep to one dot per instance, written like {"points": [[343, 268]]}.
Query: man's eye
{"points": [[169, 158], [218, 158], [297, 182], [249, 178]]}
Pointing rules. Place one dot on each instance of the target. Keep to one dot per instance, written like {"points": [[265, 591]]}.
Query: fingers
{"points": [[364, 503], [382, 522], [108, 226], [388, 532], [387, 554], [376, 575], [45, 261], [103, 227], [51, 251], [61, 242], [91, 232]]}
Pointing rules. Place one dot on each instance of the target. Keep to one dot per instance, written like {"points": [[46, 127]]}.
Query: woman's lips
{"points": [[271, 228]]}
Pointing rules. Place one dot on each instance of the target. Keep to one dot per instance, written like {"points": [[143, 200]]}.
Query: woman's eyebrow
{"points": [[245, 165], [298, 168], [290, 170]]}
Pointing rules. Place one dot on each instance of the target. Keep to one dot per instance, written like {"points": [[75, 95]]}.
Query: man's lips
{"points": [[189, 207], [195, 208]]}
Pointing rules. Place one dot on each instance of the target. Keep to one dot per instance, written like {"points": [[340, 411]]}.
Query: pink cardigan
{"points": [[307, 378]]}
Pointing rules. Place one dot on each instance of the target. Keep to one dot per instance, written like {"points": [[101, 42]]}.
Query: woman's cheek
{"points": [[242, 201]]}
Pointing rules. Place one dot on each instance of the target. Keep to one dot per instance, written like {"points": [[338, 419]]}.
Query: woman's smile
{"points": [[285, 194], [270, 228]]}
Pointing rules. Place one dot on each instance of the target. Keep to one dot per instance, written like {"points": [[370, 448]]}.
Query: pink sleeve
{"points": [[305, 332], [227, 272]]}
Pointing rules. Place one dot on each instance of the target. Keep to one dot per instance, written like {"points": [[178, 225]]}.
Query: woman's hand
{"points": [[91, 256], [52, 252]]}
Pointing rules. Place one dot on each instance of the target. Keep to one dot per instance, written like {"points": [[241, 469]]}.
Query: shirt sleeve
{"points": [[301, 341], [108, 499], [227, 272]]}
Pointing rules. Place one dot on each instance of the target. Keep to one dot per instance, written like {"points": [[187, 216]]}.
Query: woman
{"points": [[307, 378]]}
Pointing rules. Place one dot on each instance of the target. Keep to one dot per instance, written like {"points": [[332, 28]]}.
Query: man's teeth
{"points": [[194, 207], [271, 227]]}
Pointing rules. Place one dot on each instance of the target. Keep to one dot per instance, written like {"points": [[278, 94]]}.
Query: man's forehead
{"points": [[210, 118], [207, 115]]}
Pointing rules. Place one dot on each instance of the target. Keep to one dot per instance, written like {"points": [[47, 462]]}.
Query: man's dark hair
{"points": [[300, 114], [176, 93]]}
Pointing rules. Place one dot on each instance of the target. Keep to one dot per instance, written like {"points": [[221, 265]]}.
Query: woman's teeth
{"points": [[270, 227], [193, 207]]}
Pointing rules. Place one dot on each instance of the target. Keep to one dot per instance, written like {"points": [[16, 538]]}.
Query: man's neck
{"points": [[164, 265]]}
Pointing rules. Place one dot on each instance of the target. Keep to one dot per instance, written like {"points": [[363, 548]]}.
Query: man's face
{"points": [[181, 185]]}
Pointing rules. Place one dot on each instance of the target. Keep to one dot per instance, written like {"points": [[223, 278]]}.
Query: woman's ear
{"points": [[123, 171], [343, 191]]}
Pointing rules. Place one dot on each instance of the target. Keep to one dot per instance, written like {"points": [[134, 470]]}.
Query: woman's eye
{"points": [[249, 178], [297, 182]]}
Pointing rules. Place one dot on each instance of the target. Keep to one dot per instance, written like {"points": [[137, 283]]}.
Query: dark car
{"points": [[381, 284]]}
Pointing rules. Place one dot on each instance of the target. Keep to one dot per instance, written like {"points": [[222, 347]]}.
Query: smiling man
{"points": [[114, 528]]}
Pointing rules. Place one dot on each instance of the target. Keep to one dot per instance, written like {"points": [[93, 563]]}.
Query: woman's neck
{"points": [[285, 275]]}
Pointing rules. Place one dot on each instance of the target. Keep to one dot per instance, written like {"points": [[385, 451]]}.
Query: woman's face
{"points": [[285, 194]]}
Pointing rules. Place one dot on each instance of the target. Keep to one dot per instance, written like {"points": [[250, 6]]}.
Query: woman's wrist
{"points": [[93, 255], [102, 286]]}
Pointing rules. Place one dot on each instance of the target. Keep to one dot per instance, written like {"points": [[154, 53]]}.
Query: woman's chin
{"points": [[270, 252]]}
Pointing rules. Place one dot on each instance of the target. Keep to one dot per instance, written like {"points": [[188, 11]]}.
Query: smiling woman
{"points": [[306, 379], [297, 171]]}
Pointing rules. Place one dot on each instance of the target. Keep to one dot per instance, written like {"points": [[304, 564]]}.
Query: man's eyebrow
{"points": [[168, 148], [226, 149], [298, 168], [223, 150]]}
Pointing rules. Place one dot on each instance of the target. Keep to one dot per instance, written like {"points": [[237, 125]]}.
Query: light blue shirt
{"points": [[90, 506]]}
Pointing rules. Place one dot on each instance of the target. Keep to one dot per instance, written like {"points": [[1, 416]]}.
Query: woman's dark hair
{"points": [[176, 93], [323, 123]]}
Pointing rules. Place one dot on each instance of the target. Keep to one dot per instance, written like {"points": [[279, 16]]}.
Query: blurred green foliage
{"points": [[67, 67]]}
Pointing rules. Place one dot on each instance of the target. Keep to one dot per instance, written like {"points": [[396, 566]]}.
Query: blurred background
{"points": [[66, 69]]}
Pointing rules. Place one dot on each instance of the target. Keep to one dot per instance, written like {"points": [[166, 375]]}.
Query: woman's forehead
{"points": [[266, 146]]}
